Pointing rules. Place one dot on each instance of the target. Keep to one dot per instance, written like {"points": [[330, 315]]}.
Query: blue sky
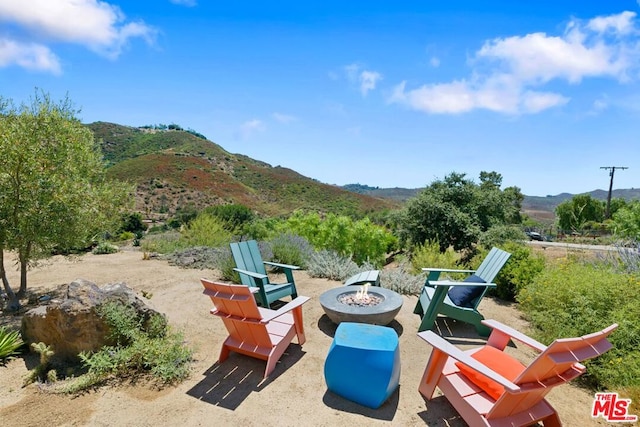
{"points": [[384, 93]]}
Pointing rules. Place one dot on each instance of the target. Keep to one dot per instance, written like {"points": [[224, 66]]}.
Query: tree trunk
{"points": [[24, 263], [14, 303]]}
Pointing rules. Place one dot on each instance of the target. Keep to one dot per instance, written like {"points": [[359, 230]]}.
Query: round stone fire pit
{"points": [[379, 314]]}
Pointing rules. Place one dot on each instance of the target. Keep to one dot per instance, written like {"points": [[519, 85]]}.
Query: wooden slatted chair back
{"points": [[557, 364], [237, 308], [247, 257], [492, 264]]}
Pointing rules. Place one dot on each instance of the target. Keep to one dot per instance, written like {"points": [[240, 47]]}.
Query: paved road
{"points": [[573, 246]]}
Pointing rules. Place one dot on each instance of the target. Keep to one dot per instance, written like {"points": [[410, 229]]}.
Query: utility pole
{"points": [[612, 170]]}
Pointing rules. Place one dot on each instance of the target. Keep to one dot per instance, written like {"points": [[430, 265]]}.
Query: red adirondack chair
{"points": [[490, 388], [255, 331]]}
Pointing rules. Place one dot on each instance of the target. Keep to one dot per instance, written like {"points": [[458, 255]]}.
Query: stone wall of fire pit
{"points": [[380, 314]]}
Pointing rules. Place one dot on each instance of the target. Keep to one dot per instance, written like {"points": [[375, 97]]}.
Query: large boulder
{"points": [[72, 325]]}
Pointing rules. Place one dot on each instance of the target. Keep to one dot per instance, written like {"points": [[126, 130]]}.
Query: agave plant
{"points": [[10, 342]]}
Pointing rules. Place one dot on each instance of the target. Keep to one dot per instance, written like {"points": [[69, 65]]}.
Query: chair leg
{"points": [[432, 373], [271, 365], [552, 420], [299, 325], [224, 353]]}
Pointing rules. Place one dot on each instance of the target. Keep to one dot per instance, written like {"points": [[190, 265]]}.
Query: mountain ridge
{"points": [[174, 169]]}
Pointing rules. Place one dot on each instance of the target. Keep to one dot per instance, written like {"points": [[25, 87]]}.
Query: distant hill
{"points": [[175, 169]]}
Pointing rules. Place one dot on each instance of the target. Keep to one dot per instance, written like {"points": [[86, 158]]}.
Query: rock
{"points": [[72, 325]]}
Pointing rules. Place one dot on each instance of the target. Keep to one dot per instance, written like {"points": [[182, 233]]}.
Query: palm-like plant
{"points": [[10, 342]]}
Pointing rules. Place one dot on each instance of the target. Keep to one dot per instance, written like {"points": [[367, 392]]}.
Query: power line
{"points": [[612, 170]]}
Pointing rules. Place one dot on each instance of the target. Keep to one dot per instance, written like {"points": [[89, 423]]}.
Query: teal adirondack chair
{"points": [[459, 300], [251, 268]]}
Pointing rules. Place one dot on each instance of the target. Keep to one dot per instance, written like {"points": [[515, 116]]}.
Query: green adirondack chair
{"points": [[251, 267], [459, 300]]}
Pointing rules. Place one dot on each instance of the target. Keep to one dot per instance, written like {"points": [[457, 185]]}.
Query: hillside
{"points": [[175, 169]]}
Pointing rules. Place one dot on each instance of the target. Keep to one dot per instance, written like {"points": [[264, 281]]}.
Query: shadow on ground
{"points": [[228, 384], [386, 412], [439, 412]]}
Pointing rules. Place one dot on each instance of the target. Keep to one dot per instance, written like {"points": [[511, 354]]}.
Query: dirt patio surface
{"points": [[234, 393]]}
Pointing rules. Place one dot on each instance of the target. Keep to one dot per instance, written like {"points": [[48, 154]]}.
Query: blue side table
{"points": [[363, 364]]}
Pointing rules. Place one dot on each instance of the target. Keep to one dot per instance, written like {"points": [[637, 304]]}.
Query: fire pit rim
{"points": [[379, 314]]}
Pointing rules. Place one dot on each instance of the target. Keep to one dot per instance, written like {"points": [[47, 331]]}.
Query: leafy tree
{"points": [[132, 222], [573, 214], [625, 222], [53, 191], [455, 211], [234, 216]]}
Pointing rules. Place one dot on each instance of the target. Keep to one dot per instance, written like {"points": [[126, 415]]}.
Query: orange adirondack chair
{"points": [[490, 388], [254, 331]]}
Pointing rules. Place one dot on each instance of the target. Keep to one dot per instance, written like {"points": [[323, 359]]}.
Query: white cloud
{"points": [[98, 25], [31, 56], [188, 3], [365, 79], [507, 73], [621, 23], [368, 81], [251, 127], [284, 118], [434, 62], [463, 96]]}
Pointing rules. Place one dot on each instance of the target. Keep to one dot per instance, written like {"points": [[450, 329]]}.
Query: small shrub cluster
{"points": [[288, 248], [204, 230], [331, 265], [572, 298], [429, 255], [625, 258], [402, 281], [142, 348], [104, 248], [362, 240], [520, 270]]}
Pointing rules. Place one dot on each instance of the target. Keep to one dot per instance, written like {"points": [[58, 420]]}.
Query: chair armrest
{"points": [[251, 273], [501, 330], [297, 302], [448, 270], [454, 352], [286, 266], [451, 283]]}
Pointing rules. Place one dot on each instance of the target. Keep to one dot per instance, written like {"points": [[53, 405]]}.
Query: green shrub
{"points": [[570, 298], [234, 217], [104, 248], [402, 281], [362, 240], [126, 235], [164, 243], [519, 271], [429, 255], [10, 343], [291, 249], [331, 265], [205, 230], [143, 347]]}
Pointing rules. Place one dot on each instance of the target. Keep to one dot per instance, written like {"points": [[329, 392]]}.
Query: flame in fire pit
{"points": [[362, 295]]}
